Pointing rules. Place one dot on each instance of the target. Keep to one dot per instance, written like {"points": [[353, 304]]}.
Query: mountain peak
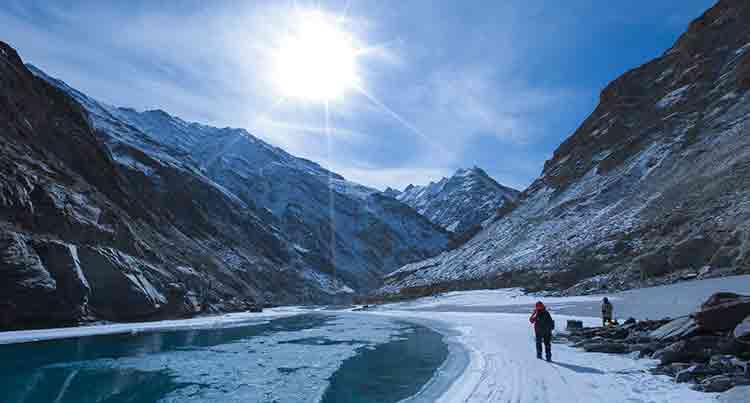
{"points": [[473, 171], [391, 192], [158, 112], [460, 202]]}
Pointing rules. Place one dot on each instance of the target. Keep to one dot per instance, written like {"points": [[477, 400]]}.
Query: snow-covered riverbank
{"points": [[491, 358], [503, 367], [646, 303], [226, 320]]}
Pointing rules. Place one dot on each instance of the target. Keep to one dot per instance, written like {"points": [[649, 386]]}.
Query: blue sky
{"points": [[496, 84]]}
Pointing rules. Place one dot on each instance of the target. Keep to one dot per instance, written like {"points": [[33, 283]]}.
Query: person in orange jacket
{"points": [[543, 326]]}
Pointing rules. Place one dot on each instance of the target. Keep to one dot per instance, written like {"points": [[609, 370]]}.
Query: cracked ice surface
{"points": [[286, 360]]}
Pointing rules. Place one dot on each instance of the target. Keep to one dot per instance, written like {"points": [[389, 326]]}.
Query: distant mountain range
{"points": [[653, 187], [461, 202]]}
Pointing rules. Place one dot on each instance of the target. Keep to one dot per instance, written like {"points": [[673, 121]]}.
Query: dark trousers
{"points": [[546, 339]]}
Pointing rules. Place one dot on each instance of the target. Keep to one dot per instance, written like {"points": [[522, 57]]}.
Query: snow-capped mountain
{"points": [[312, 207], [461, 202], [654, 186]]}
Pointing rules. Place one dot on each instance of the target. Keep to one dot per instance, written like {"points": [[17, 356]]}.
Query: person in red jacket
{"points": [[543, 326]]}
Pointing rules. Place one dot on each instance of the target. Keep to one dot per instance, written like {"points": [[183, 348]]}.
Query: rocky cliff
{"points": [[102, 216], [654, 186], [348, 236], [83, 236]]}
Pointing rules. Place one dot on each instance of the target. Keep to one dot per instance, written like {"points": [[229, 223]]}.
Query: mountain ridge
{"points": [[651, 188], [108, 213], [293, 191]]}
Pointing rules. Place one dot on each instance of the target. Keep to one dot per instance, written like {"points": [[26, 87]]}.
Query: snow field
{"points": [[502, 359]]}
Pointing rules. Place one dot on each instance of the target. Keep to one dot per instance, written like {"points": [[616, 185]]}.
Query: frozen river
{"points": [[309, 357], [467, 347]]}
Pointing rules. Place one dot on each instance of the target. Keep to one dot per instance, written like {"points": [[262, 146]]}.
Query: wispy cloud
{"points": [[494, 84], [472, 99]]}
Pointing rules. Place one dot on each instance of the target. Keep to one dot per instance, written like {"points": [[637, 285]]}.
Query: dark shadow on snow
{"points": [[580, 369]]}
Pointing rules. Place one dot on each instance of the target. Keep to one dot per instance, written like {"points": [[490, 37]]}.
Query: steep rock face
{"points": [[461, 202], [48, 155], [177, 243], [345, 235], [42, 282], [654, 186], [121, 285], [108, 213], [62, 262], [27, 287]]}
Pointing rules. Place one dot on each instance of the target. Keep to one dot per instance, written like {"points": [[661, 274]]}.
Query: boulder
{"points": [[723, 383], [695, 349], [677, 329], [723, 363], [121, 289], [742, 331], [719, 298], [699, 370], [638, 338], [723, 312], [606, 347], [574, 324], [650, 325], [670, 369], [586, 331], [568, 337], [592, 340], [692, 252], [730, 346], [644, 348], [741, 365], [615, 333]]}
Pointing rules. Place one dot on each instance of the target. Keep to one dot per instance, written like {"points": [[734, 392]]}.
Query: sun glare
{"points": [[316, 59]]}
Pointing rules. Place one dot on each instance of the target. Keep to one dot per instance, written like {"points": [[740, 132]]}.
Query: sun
{"points": [[316, 60]]}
